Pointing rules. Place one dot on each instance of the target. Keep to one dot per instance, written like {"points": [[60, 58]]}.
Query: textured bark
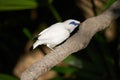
{"points": [[76, 42]]}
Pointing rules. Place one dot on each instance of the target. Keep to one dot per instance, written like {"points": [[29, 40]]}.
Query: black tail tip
{"points": [[31, 48]]}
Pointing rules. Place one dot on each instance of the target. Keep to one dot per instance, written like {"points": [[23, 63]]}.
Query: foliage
{"points": [[108, 4], [27, 33], [17, 4], [7, 77]]}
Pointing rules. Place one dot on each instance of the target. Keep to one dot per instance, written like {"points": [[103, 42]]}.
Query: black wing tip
{"points": [[35, 38]]}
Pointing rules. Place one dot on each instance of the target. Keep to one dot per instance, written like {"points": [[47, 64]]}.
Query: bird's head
{"points": [[71, 24]]}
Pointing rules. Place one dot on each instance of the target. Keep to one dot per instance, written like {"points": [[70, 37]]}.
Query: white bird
{"points": [[56, 33]]}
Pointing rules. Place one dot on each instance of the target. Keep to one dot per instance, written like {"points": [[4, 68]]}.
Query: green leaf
{"points": [[7, 77], [68, 70], [55, 13], [27, 33], [74, 61], [50, 1], [17, 4], [108, 4]]}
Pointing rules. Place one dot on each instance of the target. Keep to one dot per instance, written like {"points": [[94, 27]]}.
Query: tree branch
{"points": [[76, 42]]}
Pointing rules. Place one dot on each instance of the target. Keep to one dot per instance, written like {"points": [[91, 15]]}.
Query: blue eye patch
{"points": [[74, 23]]}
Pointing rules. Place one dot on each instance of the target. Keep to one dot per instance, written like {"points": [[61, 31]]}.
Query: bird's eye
{"points": [[74, 23]]}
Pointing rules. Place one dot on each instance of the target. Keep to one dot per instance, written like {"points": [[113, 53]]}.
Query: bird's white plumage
{"points": [[56, 33]]}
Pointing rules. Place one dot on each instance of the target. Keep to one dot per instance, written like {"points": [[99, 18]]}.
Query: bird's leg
{"points": [[51, 47]]}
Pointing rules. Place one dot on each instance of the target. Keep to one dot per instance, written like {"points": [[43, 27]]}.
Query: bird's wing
{"points": [[49, 28], [51, 31], [45, 30], [55, 35]]}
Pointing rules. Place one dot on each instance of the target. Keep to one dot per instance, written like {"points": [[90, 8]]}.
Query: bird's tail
{"points": [[37, 43]]}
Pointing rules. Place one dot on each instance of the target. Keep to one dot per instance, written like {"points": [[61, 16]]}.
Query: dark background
{"points": [[100, 58]]}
